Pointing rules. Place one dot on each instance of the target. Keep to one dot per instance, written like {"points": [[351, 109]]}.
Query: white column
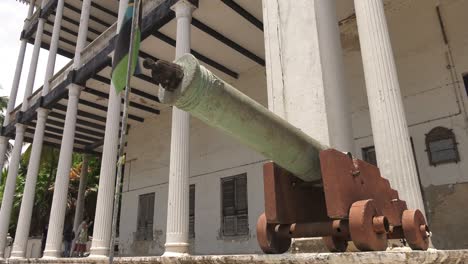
{"points": [[10, 185], [34, 60], [389, 127], [19, 70], [304, 65], [53, 46], [81, 194], [53, 247], [82, 33], [178, 196], [27, 203], [14, 88], [105, 200], [24, 219]]}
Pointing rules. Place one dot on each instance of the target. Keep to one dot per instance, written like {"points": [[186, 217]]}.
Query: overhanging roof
{"points": [[228, 49]]}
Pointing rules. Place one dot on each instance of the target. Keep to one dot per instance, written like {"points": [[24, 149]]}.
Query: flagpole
{"points": [[123, 128]]}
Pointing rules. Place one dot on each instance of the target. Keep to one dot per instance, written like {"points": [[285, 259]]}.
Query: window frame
{"points": [[438, 134], [237, 215], [365, 156]]}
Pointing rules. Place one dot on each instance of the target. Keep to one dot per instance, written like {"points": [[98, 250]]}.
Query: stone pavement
{"points": [[414, 257]]}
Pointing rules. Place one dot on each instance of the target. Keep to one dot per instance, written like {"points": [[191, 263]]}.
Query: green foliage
{"points": [[45, 188]]}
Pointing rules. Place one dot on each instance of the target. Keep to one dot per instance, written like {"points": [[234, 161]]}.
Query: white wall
{"points": [[213, 156], [430, 91]]}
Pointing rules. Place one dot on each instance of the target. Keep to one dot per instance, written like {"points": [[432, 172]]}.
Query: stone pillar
{"points": [[18, 71], [27, 203], [34, 60], [178, 196], [105, 200], [53, 247], [24, 219], [14, 87], [82, 33], [10, 186], [79, 209], [389, 127], [53, 47], [304, 65]]}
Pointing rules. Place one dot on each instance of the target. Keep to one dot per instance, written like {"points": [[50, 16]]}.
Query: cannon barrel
{"points": [[218, 104]]}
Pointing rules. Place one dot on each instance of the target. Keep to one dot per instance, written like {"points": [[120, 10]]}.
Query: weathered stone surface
{"points": [[433, 257]]}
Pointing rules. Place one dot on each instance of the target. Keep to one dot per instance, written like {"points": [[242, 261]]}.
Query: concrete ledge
{"points": [[449, 256]]}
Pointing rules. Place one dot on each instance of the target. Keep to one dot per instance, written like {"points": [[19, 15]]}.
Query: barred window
{"points": [[368, 155], [235, 220], [192, 211], [441, 146], [145, 217]]}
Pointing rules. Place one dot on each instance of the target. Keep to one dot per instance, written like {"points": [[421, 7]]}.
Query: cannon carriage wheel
{"points": [[269, 240]]}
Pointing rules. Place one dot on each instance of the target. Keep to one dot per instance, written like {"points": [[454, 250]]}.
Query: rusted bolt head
{"points": [[380, 224], [425, 231]]}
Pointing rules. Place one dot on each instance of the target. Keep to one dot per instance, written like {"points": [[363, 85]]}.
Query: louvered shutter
{"points": [[192, 211]]}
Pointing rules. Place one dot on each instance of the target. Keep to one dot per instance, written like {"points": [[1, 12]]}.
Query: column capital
{"points": [[74, 90], [42, 112], [20, 128], [184, 8]]}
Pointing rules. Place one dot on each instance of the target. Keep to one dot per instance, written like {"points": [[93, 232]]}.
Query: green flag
{"points": [[122, 47]]}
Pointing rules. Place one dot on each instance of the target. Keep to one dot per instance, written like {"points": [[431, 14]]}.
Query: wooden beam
{"points": [[132, 103], [135, 91], [244, 13], [57, 146], [104, 108], [91, 17], [198, 55], [228, 42], [78, 128], [80, 122], [103, 9]]}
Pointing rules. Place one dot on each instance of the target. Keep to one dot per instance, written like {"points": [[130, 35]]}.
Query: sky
{"points": [[12, 15]]}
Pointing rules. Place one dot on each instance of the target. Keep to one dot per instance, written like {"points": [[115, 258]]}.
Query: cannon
{"points": [[310, 190]]}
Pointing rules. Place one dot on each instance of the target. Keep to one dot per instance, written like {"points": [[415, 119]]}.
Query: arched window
{"points": [[441, 146]]}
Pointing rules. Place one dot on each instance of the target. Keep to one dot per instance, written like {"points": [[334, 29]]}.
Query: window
{"points": [[192, 211], [465, 80], [235, 220], [441, 146], [368, 155], [145, 217]]}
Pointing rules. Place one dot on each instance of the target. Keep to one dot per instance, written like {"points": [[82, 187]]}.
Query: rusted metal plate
{"points": [[347, 180], [290, 200]]}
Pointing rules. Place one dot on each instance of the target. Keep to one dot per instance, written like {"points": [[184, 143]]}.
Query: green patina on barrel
{"points": [[222, 106]]}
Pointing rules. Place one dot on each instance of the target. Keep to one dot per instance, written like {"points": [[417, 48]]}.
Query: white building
{"points": [[285, 55]]}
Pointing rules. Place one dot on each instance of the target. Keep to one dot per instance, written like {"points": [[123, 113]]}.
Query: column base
{"points": [[18, 255], [176, 249], [99, 252], [52, 254]]}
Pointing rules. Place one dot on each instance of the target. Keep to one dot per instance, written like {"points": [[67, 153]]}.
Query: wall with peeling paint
{"points": [[434, 95]]}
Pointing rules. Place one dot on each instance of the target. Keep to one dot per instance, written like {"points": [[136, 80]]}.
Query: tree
{"points": [[3, 107]]}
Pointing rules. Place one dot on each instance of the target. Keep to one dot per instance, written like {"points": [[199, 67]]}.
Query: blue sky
{"points": [[12, 15]]}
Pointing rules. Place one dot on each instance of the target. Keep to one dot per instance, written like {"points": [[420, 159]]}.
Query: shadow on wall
{"points": [[448, 215]]}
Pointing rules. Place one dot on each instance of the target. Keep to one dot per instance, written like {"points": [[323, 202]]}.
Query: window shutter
{"points": [[235, 205], [192, 211], [228, 189], [145, 217]]}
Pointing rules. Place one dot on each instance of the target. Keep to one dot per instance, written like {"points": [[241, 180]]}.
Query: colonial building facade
{"points": [[384, 80]]}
